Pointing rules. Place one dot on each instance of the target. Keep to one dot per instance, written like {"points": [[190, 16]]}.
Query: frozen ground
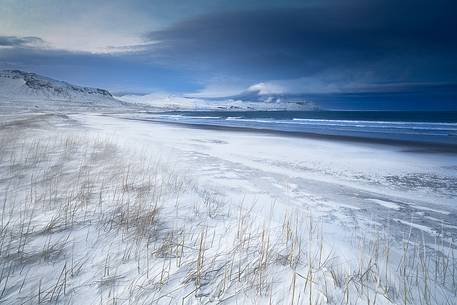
{"points": [[103, 210], [367, 182]]}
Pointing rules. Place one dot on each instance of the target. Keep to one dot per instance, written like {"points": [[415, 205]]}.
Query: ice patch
{"points": [[386, 204], [416, 226], [430, 209]]}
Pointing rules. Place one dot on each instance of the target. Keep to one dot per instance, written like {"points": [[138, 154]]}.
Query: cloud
{"points": [[384, 40], [122, 72], [320, 50], [218, 88], [77, 25], [267, 88], [14, 41], [309, 86]]}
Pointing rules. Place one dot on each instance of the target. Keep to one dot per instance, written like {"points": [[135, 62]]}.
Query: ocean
{"points": [[412, 126]]}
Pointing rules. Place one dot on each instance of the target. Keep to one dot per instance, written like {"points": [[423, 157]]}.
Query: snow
{"points": [[107, 209], [386, 204], [16, 85], [415, 225], [163, 101]]}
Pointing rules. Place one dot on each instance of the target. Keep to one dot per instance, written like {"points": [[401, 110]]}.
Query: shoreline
{"points": [[411, 146]]}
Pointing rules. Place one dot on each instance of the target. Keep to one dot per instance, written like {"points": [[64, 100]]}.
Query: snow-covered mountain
{"points": [[174, 102], [16, 85], [39, 91]]}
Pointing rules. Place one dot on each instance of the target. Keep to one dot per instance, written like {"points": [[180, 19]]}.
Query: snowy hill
{"points": [[16, 85], [173, 102], [40, 91]]}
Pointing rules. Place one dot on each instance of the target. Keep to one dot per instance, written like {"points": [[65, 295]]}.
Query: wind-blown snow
{"points": [[103, 210]]}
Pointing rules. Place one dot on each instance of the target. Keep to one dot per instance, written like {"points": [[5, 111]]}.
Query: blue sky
{"points": [[355, 54]]}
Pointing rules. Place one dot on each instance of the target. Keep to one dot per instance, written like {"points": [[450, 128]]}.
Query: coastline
{"points": [[409, 145]]}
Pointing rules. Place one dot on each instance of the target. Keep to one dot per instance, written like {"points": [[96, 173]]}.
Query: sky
{"points": [[353, 54]]}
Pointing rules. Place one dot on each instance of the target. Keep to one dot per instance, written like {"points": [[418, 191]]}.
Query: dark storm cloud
{"points": [[329, 51], [374, 40], [375, 96], [14, 41]]}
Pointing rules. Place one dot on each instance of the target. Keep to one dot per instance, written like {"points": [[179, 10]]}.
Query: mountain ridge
{"points": [[18, 84]]}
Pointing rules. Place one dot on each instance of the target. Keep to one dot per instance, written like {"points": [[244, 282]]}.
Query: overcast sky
{"points": [[353, 54]]}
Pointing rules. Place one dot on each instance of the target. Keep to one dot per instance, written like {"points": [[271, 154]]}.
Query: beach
{"points": [[372, 182], [201, 214]]}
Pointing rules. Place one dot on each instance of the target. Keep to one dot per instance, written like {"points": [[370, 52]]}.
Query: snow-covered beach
{"points": [[229, 217], [273, 152], [374, 183]]}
